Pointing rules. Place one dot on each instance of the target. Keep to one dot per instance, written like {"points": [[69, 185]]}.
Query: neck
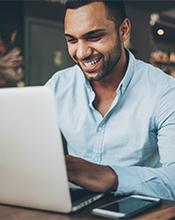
{"points": [[111, 82]]}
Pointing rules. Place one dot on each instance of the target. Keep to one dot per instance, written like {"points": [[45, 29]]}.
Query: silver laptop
{"points": [[32, 166]]}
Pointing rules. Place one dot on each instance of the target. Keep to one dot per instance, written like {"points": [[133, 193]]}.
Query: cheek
{"points": [[71, 50], [107, 45], [106, 49]]}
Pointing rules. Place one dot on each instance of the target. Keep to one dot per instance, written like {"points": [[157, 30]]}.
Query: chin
{"points": [[93, 76]]}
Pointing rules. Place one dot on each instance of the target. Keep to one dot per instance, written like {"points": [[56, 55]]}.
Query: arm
{"points": [[144, 180], [91, 176], [155, 181], [158, 182]]}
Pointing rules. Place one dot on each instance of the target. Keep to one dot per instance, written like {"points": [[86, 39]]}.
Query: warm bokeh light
{"points": [[160, 31]]}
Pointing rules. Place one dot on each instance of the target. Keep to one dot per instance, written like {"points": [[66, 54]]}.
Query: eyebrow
{"points": [[97, 31]]}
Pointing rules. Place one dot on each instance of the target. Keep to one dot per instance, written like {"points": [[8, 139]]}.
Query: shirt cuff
{"points": [[141, 180], [130, 179]]}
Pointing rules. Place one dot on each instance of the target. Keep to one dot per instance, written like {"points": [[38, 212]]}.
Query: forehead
{"points": [[85, 18]]}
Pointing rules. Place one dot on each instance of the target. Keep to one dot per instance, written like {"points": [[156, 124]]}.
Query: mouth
{"points": [[90, 65]]}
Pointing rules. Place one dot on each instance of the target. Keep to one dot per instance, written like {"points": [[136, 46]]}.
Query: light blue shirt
{"points": [[136, 137]]}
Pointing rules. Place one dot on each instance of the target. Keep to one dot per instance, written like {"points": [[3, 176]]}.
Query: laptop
{"points": [[32, 165]]}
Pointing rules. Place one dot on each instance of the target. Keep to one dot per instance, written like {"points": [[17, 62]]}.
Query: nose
{"points": [[83, 50]]}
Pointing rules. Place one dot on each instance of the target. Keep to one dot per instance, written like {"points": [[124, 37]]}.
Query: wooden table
{"points": [[164, 211]]}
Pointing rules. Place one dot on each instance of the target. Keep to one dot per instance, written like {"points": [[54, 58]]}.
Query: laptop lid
{"points": [[32, 166]]}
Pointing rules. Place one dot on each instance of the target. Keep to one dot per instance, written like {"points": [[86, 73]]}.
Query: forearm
{"points": [[158, 182], [94, 177]]}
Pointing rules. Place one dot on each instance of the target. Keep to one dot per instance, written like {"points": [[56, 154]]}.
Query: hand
{"points": [[94, 177]]}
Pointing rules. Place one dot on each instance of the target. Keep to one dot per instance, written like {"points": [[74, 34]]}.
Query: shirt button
{"points": [[100, 128]]}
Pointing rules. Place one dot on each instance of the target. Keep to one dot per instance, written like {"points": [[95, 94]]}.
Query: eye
{"points": [[94, 38], [71, 40]]}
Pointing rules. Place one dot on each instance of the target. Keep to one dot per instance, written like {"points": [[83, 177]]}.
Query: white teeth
{"points": [[91, 63]]}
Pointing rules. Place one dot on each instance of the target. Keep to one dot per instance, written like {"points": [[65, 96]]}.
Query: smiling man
{"points": [[117, 113], [95, 46]]}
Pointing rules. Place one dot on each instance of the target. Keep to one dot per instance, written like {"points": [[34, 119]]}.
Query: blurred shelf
{"points": [[172, 64]]}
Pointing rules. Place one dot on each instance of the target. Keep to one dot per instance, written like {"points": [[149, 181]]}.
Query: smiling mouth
{"points": [[91, 64]]}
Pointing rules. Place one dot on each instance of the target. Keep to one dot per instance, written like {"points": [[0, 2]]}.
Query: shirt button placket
{"points": [[99, 145]]}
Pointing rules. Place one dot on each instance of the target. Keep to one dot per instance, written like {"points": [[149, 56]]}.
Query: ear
{"points": [[125, 29]]}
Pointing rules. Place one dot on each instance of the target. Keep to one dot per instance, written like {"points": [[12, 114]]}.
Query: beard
{"points": [[107, 67]]}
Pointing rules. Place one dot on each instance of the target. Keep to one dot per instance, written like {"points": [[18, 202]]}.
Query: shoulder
{"points": [[154, 84], [158, 89], [153, 77], [64, 77], [65, 73]]}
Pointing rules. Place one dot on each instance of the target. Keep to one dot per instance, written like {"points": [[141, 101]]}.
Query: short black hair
{"points": [[115, 8]]}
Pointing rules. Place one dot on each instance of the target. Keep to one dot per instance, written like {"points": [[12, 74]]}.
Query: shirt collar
{"points": [[129, 73], [127, 77]]}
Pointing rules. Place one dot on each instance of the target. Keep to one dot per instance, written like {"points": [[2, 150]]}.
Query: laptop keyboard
{"points": [[79, 195]]}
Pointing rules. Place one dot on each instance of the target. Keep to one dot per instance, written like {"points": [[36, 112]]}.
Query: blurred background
{"points": [[32, 44]]}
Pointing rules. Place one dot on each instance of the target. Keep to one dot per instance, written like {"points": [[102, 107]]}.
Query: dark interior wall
{"points": [[11, 36], [44, 10], [46, 50], [12, 19], [140, 31], [13, 13]]}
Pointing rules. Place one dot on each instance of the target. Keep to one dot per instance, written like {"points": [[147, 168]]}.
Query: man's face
{"points": [[92, 39]]}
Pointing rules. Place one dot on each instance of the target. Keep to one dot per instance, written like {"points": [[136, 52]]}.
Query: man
{"points": [[117, 113]]}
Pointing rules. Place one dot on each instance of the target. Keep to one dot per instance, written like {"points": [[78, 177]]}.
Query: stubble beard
{"points": [[107, 68]]}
